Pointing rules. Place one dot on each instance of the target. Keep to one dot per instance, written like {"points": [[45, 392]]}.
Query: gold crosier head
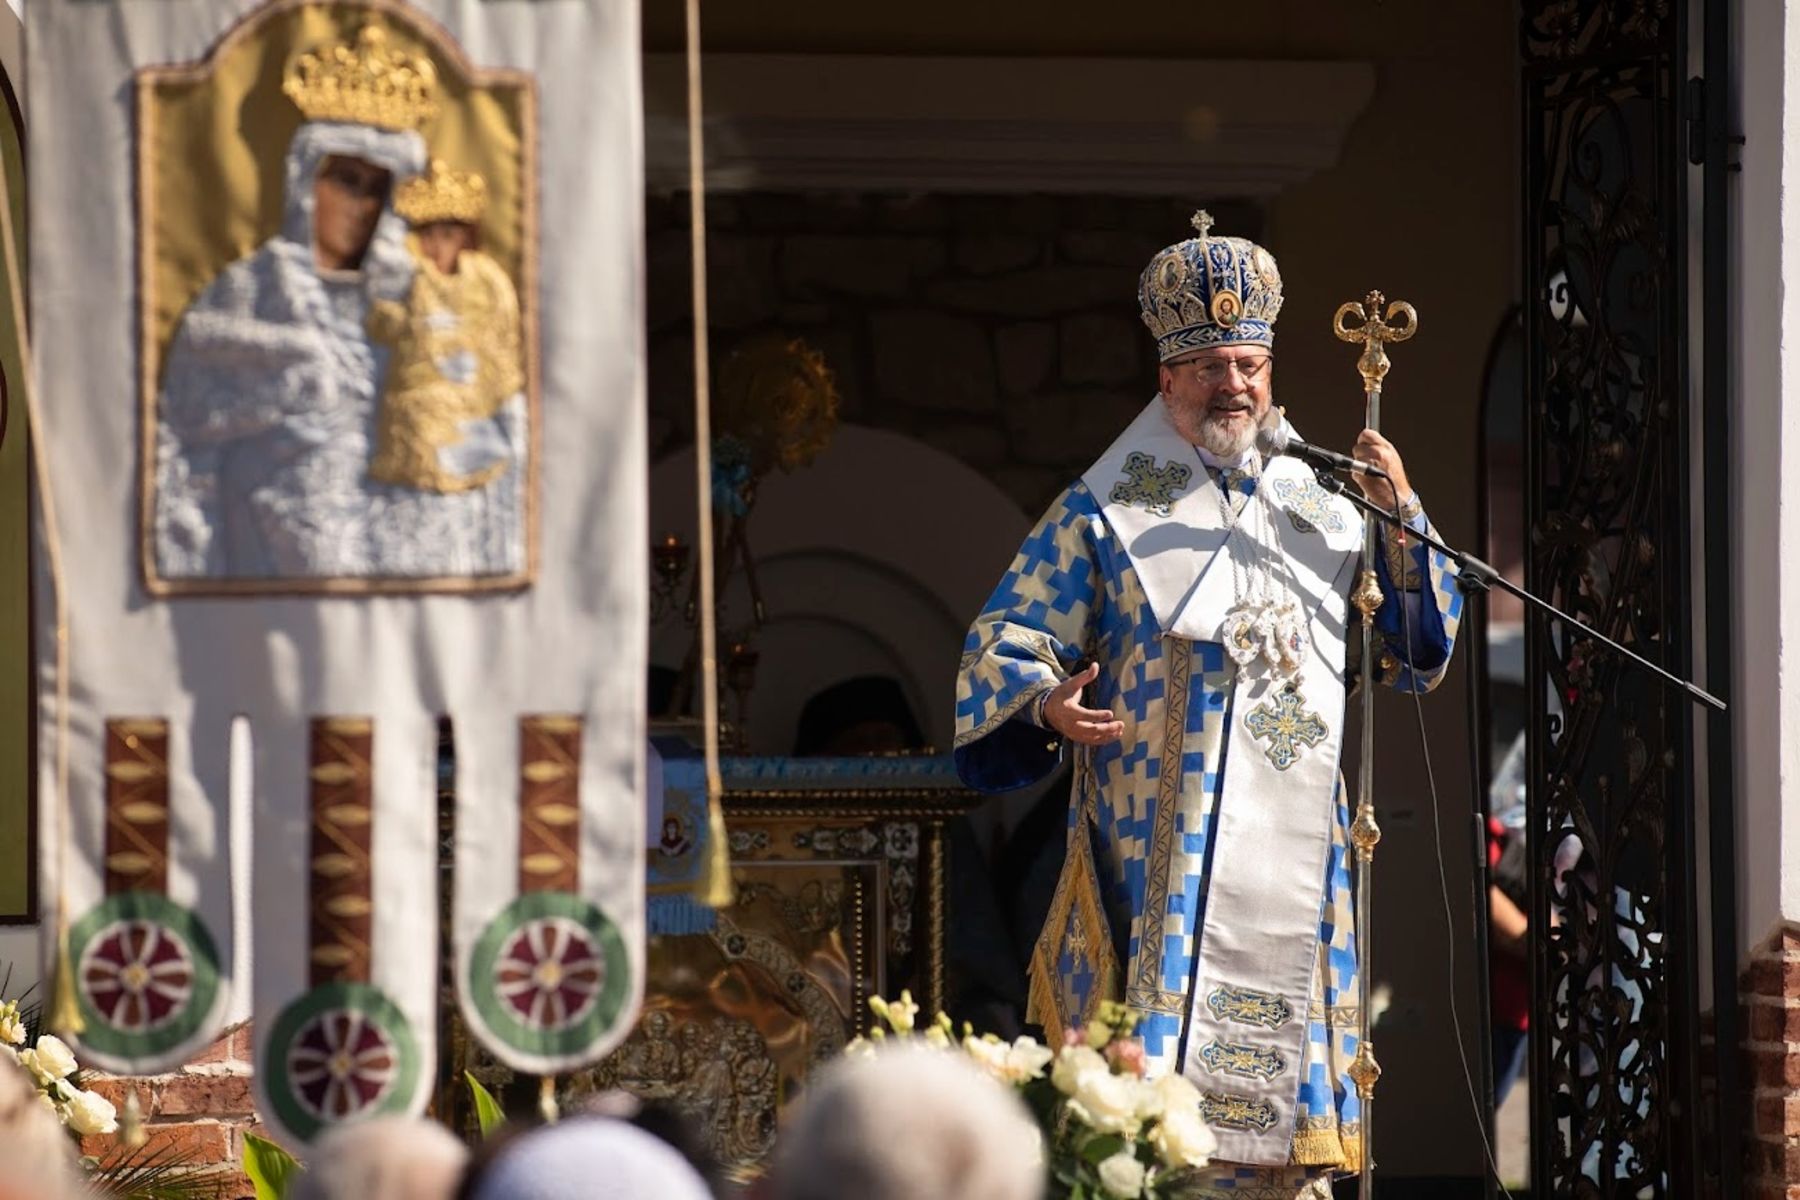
{"points": [[441, 195], [370, 83], [1366, 323]]}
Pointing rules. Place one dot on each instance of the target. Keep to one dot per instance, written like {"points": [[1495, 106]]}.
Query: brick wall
{"points": [[200, 1110], [1771, 1000]]}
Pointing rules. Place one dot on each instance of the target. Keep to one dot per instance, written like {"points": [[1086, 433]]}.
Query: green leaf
{"points": [[488, 1113], [269, 1167], [1099, 1149]]}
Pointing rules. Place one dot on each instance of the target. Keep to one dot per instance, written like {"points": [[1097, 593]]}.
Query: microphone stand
{"points": [[1473, 575]]}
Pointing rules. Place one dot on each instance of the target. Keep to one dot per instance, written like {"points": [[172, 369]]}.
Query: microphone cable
{"points": [[1437, 831]]}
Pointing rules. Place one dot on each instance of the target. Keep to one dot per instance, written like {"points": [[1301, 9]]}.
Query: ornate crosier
{"points": [[1376, 324]]}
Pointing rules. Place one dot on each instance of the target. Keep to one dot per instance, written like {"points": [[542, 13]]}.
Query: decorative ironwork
{"points": [[1614, 1066]]}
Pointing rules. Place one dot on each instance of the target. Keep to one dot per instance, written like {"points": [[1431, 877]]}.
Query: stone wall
{"points": [[1001, 329], [199, 1111]]}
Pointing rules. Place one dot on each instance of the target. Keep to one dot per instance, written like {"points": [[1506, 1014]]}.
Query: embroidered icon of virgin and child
{"points": [[347, 406]]}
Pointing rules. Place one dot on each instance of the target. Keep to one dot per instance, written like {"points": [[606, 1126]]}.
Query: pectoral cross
{"points": [[1287, 726]]}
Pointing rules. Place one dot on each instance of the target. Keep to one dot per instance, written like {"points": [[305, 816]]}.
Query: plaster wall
{"points": [[1765, 325]]}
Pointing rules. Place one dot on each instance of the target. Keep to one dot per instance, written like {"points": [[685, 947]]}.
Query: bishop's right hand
{"points": [[1064, 713]]}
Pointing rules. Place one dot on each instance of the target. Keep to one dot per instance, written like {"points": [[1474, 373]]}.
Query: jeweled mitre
{"points": [[370, 83], [1210, 291], [441, 195]]}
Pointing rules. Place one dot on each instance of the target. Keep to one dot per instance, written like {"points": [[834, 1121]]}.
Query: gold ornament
{"points": [[441, 195], [368, 84], [778, 398]]}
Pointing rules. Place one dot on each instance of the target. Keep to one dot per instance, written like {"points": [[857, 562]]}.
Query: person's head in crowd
{"points": [[584, 1158], [864, 715], [37, 1159], [908, 1123], [661, 1118], [396, 1158]]}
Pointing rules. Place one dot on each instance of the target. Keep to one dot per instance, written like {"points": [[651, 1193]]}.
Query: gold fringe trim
{"points": [[1078, 895], [1324, 1148], [1041, 1008]]}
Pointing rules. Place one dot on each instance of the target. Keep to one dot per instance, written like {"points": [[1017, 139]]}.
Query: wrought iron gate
{"points": [[1620, 1105]]}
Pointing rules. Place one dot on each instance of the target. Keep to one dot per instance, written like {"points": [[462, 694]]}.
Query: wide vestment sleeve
{"points": [[1031, 634], [1421, 607]]}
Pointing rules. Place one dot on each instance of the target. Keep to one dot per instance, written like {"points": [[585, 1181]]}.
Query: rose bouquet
{"points": [[52, 1067], [1107, 1130], [127, 1168]]}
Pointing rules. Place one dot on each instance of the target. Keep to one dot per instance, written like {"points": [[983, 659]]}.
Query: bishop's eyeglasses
{"points": [[1212, 371]]}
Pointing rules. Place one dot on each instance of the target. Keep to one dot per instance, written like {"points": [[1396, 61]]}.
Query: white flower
{"points": [[50, 1060], [1020, 1062], [1149, 1098], [1107, 1102], [12, 1030], [1026, 1059], [1122, 1175], [937, 1037], [1072, 1063], [1182, 1138], [90, 1112], [1178, 1092]]}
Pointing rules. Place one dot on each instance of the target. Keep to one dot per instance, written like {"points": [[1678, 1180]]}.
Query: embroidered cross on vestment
{"points": [[1149, 486], [1308, 505], [1284, 722]]}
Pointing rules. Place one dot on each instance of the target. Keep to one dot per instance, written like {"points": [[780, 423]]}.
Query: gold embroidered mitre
{"points": [[441, 195], [368, 84], [1210, 291]]}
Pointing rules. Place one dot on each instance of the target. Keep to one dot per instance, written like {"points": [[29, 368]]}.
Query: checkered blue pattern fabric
{"points": [[1071, 595], [1432, 625]]}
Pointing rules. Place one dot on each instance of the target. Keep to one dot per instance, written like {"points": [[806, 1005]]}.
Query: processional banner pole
{"points": [[1372, 323]]}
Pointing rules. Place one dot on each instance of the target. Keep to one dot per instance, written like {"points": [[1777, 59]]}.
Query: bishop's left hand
{"points": [[1377, 451]]}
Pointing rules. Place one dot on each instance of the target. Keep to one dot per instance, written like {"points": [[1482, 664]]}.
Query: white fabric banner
{"points": [[338, 319]]}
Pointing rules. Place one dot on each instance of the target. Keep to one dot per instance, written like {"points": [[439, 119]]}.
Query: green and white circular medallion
{"points": [[341, 1052], [550, 974], [146, 974]]}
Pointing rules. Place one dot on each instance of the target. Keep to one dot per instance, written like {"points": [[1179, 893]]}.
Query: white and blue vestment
{"points": [[1207, 882]]}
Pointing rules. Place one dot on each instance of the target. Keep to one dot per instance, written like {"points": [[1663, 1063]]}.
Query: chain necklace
{"points": [[1264, 622]]}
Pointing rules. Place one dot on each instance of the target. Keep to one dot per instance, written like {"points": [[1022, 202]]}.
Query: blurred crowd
{"points": [[908, 1123]]}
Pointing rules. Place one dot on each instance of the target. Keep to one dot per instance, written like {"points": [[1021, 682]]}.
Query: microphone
{"points": [[1275, 440]]}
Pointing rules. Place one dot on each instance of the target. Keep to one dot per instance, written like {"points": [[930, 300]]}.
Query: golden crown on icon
{"points": [[441, 195], [370, 83]]}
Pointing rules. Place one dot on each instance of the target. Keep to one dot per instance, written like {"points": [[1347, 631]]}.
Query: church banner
{"points": [[338, 320]]}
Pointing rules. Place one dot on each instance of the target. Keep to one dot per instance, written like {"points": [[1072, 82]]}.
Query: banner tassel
{"points": [[65, 1010], [547, 1108]]}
